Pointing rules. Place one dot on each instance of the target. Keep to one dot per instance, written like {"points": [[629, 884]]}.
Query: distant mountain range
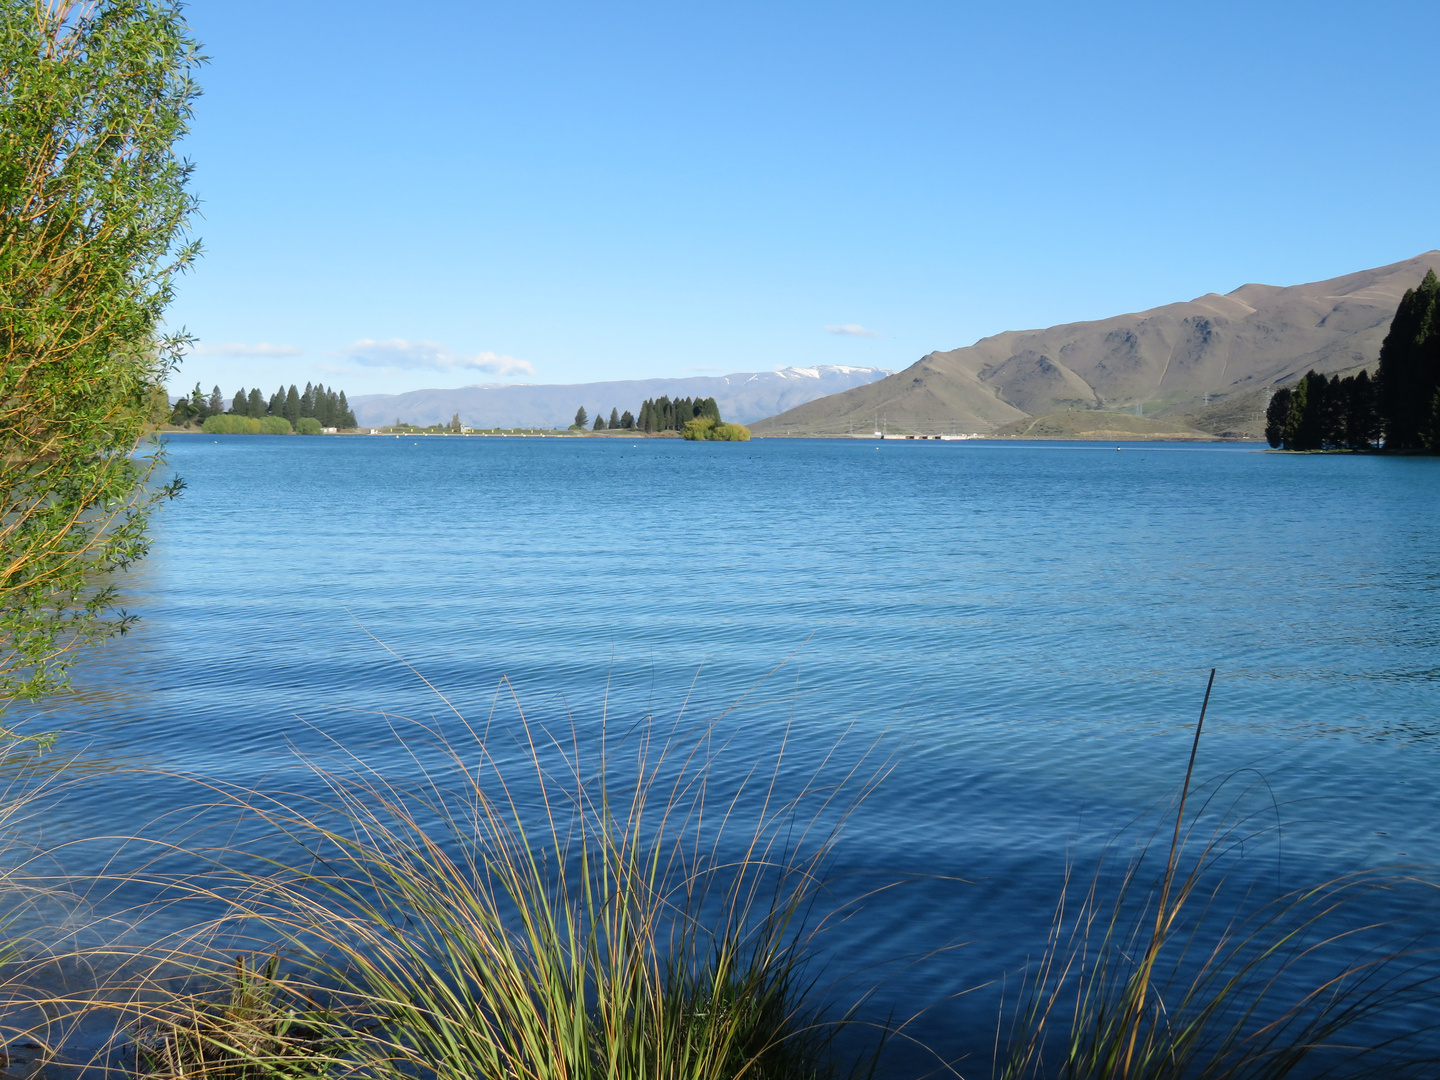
{"points": [[1205, 364], [743, 397]]}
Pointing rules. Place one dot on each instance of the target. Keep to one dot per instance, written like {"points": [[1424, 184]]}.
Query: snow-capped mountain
{"points": [[743, 397]]}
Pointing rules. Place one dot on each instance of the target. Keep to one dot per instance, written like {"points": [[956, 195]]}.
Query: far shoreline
{"points": [[1098, 438]]}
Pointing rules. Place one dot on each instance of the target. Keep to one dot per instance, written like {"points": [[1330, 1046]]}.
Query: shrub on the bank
{"points": [[308, 425], [231, 424], [703, 429], [228, 424]]}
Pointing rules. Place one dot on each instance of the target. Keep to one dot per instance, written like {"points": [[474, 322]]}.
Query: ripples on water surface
{"points": [[1031, 624]]}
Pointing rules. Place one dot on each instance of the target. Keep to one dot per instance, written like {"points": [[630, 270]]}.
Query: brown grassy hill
{"points": [[1172, 361], [1095, 424]]}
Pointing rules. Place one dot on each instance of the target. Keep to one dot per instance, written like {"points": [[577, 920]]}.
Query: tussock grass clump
{"points": [[1161, 977], [254, 1028], [538, 908]]}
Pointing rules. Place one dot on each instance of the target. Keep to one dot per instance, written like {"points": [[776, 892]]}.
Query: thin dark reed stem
{"points": [[1163, 915]]}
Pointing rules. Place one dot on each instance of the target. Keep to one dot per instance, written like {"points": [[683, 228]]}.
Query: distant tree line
{"points": [[324, 405], [694, 418], [662, 414], [1324, 414], [617, 421], [1401, 404]]}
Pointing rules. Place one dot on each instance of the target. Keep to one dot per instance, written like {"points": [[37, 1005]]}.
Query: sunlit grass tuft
{"points": [[1165, 978], [541, 906]]}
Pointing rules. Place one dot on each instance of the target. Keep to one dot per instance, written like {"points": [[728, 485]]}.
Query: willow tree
{"points": [[93, 231]]}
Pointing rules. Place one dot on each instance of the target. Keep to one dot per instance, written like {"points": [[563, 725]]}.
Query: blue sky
{"points": [[440, 193]]}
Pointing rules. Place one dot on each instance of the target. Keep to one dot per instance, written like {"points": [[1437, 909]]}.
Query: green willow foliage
{"points": [[93, 213], [703, 429]]}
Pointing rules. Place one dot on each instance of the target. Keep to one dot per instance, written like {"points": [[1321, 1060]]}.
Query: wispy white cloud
{"points": [[239, 348], [852, 330], [397, 354]]}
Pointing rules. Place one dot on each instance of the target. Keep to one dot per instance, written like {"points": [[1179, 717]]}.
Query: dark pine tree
{"points": [[216, 405], [709, 409], [255, 404], [614, 419], [581, 417], [347, 417], [291, 410], [276, 406], [599, 422], [627, 421], [1432, 426], [1302, 426], [1362, 422], [307, 401], [1331, 415], [1409, 374], [237, 404], [1277, 415]]}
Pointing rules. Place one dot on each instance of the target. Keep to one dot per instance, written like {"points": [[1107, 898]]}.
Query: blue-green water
{"points": [[1028, 626]]}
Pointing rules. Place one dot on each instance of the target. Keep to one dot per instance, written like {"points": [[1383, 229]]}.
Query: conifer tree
{"points": [[1331, 413], [599, 422], [627, 421], [1277, 415], [237, 404], [581, 417], [1300, 421], [1432, 426], [346, 417], [307, 401], [291, 409], [614, 419], [1409, 374], [255, 404], [216, 405], [183, 413], [1361, 421]]}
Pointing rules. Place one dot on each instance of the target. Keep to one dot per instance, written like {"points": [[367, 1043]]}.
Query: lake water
{"points": [[1027, 627]]}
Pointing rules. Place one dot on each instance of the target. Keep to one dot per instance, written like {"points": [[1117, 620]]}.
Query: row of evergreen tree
{"points": [[1325, 414], [1409, 373], [1402, 402], [616, 421], [662, 414], [317, 401], [656, 414]]}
